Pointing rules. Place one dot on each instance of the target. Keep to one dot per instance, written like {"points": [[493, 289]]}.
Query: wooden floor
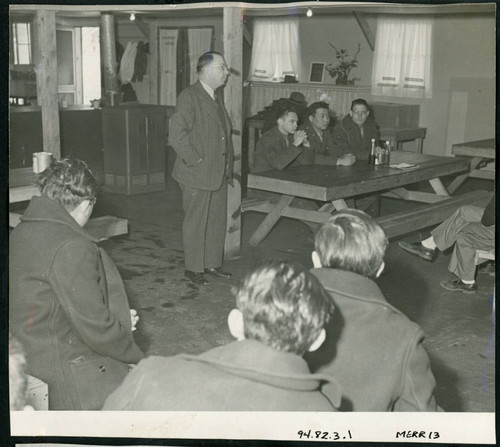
{"points": [[177, 316]]}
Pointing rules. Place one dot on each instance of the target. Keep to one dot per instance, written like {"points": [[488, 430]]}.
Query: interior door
{"points": [[69, 66]]}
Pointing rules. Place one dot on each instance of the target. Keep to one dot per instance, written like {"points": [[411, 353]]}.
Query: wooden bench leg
{"points": [[457, 182], [438, 187], [270, 220], [418, 145]]}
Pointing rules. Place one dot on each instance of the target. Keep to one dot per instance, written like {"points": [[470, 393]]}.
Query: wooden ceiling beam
{"points": [[144, 27], [365, 27], [247, 35]]}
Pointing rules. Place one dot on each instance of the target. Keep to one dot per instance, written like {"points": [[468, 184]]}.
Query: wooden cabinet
{"points": [[135, 141]]}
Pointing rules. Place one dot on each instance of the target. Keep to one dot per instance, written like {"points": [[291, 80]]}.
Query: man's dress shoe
{"points": [[195, 278], [457, 285], [218, 273], [418, 249]]}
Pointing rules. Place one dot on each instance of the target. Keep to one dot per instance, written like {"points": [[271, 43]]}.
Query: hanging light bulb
{"points": [[132, 16], [309, 12]]}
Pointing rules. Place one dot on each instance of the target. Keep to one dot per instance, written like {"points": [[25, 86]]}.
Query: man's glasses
{"points": [[223, 66]]}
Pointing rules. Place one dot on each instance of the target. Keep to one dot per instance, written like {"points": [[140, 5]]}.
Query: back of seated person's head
{"points": [[68, 182], [283, 306], [18, 380], [311, 110], [351, 240]]}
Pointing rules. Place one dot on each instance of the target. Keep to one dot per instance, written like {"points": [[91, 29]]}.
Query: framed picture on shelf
{"points": [[317, 71]]}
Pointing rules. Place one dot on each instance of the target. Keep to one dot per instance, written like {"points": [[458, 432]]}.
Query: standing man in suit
{"points": [[200, 133]]}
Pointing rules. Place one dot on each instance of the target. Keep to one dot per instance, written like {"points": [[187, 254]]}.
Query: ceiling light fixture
{"points": [[309, 12], [132, 16]]}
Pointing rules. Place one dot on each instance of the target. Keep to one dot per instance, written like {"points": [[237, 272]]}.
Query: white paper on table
{"points": [[404, 166]]}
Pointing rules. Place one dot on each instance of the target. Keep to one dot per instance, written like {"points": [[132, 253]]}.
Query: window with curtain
{"points": [[403, 57], [275, 49]]}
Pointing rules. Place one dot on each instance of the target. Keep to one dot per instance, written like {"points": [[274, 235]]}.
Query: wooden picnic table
{"points": [[333, 184], [480, 152]]}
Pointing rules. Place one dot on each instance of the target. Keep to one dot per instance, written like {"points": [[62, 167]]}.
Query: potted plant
{"points": [[95, 103], [342, 68]]}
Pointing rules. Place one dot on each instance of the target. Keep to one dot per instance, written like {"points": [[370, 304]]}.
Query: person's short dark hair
{"points": [[205, 60], [311, 110], [283, 306], [68, 182], [351, 240], [359, 101], [18, 380], [283, 111]]}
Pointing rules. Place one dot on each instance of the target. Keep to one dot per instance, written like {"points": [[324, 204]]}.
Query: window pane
{"points": [[24, 54], [21, 43], [64, 41], [23, 33], [91, 64]]}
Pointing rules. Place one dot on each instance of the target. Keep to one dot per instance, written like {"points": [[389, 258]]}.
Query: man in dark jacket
{"points": [[371, 347], [281, 311], [68, 305], [283, 145], [468, 229], [320, 137], [354, 133], [200, 134]]}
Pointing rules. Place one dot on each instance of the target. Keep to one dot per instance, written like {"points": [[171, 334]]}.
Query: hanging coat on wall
{"points": [[141, 61], [128, 62]]}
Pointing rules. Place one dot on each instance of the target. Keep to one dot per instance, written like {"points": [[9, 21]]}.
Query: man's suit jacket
{"points": [[201, 140]]}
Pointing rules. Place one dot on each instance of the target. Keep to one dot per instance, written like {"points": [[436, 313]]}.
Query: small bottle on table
{"points": [[373, 156]]}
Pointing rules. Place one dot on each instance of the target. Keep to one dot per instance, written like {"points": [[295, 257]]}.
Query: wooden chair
{"points": [[483, 256]]}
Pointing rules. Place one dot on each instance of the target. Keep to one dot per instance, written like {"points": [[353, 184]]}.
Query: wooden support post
{"points": [[46, 79], [153, 62], [233, 93], [108, 55]]}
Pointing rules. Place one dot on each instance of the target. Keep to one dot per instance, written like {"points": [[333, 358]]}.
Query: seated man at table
{"points": [[283, 145], [319, 135], [468, 229], [354, 133], [281, 310], [371, 347]]}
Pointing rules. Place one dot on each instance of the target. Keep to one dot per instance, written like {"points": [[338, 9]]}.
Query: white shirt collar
{"points": [[208, 89]]}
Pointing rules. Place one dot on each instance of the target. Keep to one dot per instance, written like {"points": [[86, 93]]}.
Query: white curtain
{"points": [[403, 57], [275, 49], [168, 66], [199, 42]]}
